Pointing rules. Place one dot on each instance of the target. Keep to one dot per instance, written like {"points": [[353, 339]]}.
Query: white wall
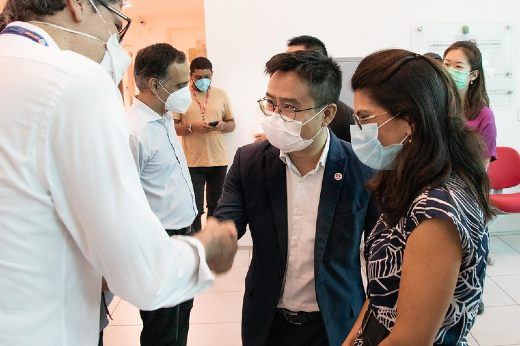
{"points": [[181, 32], [243, 35]]}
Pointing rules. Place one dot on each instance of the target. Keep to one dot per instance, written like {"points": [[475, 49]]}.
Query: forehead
{"points": [[288, 85], [178, 73], [295, 48], [200, 72], [363, 101], [456, 55]]}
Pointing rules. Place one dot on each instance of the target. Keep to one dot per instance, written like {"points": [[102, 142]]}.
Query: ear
{"points": [[153, 85], [78, 9], [330, 113], [474, 75]]}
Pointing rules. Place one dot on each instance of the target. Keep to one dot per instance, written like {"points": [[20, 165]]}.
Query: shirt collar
{"points": [[323, 158], [38, 30], [149, 115]]}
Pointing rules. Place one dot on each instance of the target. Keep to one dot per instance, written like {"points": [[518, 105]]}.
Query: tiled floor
{"points": [[215, 318]]}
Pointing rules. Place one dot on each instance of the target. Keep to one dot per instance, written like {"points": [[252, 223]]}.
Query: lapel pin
{"points": [[338, 176]]}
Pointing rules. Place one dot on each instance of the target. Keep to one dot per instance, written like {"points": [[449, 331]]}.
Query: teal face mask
{"points": [[203, 84], [459, 77]]}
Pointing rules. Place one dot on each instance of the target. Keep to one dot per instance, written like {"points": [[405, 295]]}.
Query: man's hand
{"points": [[201, 127], [220, 242]]}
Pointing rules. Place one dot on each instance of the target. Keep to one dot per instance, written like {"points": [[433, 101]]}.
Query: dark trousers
{"points": [[213, 178], [166, 326], [283, 333]]}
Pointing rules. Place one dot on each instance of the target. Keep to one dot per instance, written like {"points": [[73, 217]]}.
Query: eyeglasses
{"points": [[365, 120], [124, 29], [289, 112]]}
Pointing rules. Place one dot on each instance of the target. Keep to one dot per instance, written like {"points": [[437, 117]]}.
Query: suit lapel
{"points": [[330, 190], [277, 188]]}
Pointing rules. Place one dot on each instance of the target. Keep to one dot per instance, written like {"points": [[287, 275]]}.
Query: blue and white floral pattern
{"points": [[385, 246]]}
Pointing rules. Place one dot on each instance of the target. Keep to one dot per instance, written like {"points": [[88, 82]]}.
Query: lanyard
{"points": [[20, 31], [202, 107]]}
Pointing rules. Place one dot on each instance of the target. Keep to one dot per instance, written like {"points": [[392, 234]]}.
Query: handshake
{"points": [[220, 243]]}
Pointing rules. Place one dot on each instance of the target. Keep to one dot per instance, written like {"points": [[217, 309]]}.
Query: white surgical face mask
{"points": [[178, 101], [116, 59], [368, 148], [286, 135]]}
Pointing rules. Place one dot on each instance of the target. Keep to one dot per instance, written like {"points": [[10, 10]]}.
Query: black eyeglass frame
{"points": [[123, 31], [262, 108]]}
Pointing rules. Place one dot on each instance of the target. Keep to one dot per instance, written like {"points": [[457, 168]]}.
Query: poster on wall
{"points": [[495, 41]]}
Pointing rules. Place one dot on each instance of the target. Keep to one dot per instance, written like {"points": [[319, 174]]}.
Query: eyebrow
{"points": [[285, 99], [364, 112]]}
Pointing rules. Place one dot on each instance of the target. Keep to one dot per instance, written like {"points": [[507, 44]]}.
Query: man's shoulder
{"points": [[218, 91]]}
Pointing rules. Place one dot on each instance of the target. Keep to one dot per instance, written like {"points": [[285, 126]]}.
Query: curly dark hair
{"points": [[26, 10]]}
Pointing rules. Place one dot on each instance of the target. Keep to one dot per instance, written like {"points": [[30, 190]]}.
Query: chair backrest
{"points": [[505, 171]]}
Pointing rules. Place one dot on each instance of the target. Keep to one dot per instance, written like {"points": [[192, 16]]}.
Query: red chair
{"points": [[505, 173]]}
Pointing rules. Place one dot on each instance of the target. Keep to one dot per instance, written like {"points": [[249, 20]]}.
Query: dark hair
{"points": [[322, 74], [476, 96], [153, 62], [27, 10], [420, 90], [434, 56], [200, 63], [309, 42], [3, 21]]}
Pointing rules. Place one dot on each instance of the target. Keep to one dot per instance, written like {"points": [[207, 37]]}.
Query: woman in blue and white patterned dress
{"points": [[426, 256]]}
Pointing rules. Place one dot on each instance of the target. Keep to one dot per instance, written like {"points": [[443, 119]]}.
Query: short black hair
{"points": [[434, 56], [153, 62], [200, 63], [309, 42], [321, 73]]}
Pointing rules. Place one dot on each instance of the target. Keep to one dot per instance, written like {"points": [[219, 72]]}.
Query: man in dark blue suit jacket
{"points": [[302, 189]]}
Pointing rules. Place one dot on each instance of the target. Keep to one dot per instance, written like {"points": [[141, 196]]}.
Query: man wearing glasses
{"points": [[302, 194], [72, 208]]}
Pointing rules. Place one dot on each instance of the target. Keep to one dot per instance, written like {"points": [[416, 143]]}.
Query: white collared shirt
{"points": [[162, 166], [303, 199], [71, 204]]}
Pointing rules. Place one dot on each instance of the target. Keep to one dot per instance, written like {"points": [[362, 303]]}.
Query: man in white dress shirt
{"points": [[301, 192], [162, 76], [72, 208]]}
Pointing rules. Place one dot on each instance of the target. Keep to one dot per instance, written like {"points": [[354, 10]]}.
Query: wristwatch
{"points": [[188, 126]]}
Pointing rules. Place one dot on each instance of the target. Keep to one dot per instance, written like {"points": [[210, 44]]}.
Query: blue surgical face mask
{"points": [[203, 84], [368, 148], [459, 77]]}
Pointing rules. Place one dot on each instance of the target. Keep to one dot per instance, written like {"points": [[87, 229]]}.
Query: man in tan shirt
{"points": [[202, 128]]}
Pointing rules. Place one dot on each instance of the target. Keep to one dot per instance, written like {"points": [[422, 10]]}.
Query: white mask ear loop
{"points": [[392, 118], [404, 139], [103, 19], [315, 115], [68, 30]]}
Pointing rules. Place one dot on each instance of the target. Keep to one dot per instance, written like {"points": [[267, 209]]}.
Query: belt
{"points": [[299, 317], [181, 231]]}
